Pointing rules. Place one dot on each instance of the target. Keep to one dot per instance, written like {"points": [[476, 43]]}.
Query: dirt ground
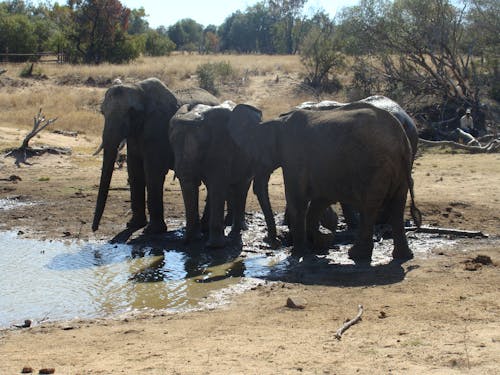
{"points": [[432, 316]]}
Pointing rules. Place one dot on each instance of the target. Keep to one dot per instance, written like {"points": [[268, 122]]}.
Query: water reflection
{"points": [[65, 280]]}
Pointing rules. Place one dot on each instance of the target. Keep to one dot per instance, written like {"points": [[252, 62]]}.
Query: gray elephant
{"points": [[358, 154], [378, 101], [140, 114], [195, 95], [205, 152]]}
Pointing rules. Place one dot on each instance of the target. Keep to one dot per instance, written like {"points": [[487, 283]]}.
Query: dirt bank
{"points": [[431, 315]]}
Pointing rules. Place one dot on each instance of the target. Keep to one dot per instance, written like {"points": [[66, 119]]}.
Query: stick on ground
{"points": [[345, 327]]}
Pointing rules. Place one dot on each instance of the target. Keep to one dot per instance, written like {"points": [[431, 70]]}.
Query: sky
{"points": [[214, 12]]}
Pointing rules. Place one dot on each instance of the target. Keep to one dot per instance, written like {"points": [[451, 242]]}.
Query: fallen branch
{"points": [[451, 231], [492, 146], [345, 327], [39, 123]]}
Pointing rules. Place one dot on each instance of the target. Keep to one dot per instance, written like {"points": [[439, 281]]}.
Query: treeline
{"points": [[447, 49]]}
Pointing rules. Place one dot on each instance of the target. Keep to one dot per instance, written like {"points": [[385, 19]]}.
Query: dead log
{"points": [[24, 152], [349, 323], [39, 123], [448, 231], [490, 147]]}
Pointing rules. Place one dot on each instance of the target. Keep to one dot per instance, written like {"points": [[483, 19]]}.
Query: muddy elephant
{"points": [[205, 152], [378, 101], [139, 113], [195, 95], [357, 154]]}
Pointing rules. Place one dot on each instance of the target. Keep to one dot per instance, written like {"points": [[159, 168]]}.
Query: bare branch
{"points": [[345, 327]]}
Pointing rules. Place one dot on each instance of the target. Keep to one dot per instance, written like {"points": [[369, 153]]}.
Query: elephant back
{"points": [[195, 95]]}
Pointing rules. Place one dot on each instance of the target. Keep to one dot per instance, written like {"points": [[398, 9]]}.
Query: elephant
{"points": [[357, 154], [378, 101], [195, 95], [205, 152], [382, 102], [140, 114]]}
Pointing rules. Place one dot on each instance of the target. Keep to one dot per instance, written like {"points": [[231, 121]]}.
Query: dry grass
{"points": [[69, 92]]}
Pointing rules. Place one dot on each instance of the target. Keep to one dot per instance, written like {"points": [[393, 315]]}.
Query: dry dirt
{"points": [[429, 316]]}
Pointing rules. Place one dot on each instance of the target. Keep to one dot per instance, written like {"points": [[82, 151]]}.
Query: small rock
{"points": [[471, 266], [482, 259], [382, 315], [27, 370], [47, 371], [296, 303], [26, 324]]}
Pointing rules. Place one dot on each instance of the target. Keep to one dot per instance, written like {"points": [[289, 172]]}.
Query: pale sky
{"points": [[206, 12]]}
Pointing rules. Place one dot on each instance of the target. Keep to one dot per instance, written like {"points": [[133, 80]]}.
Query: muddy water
{"points": [[54, 280]]}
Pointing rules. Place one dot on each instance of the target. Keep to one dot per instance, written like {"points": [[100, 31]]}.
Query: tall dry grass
{"points": [[67, 91]]}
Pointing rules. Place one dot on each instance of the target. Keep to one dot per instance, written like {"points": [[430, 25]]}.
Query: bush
{"points": [[212, 75]]}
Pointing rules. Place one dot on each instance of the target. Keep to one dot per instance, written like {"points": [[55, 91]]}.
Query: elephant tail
{"points": [[415, 212]]}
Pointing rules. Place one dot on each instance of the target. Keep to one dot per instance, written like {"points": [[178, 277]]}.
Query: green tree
{"points": [[187, 34], [17, 34], [100, 31], [321, 54], [158, 44]]}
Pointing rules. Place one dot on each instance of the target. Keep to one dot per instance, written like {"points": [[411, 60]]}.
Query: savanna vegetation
{"points": [[437, 57]]}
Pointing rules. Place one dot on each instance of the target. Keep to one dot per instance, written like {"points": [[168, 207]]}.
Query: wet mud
{"points": [[60, 280]]}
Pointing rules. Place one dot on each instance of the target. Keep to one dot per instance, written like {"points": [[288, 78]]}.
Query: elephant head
{"points": [[132, 111], [257, 139]]}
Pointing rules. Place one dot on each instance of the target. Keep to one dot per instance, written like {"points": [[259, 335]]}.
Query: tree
{"points": [[187, 34], [158, 44], [422, 51], [287, 13], [320, 53], [100, 31], [17, 34]]}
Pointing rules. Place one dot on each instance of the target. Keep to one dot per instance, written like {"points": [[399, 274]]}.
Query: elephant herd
{"points": [[359, 154]]}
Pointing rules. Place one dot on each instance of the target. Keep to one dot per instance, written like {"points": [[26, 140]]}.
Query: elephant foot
{"points": [[322, 240], [360, 253], [137, 223], [272, 241], [155, 228], [216, 242], [193, 237], [300, 250], [402, 253]]}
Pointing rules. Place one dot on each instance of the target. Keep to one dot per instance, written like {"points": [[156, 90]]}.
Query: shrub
{"points": [[212, 75]]}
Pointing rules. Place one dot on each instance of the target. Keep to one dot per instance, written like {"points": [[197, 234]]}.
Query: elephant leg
{"points": [[205, 219], [316, 210], [329, 219], [155, 184], [296, 199], [261, 190], [217, 193], [190, 194], [137, 181], [363, 247], [228, 220], [351, 216], [396, 218], [239, 195]]}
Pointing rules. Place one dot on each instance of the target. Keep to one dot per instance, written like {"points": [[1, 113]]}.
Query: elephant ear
{"points": [[258, 140], [157, 97]]}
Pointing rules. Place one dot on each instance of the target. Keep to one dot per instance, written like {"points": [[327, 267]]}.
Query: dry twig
{"points": [[345, 327]]}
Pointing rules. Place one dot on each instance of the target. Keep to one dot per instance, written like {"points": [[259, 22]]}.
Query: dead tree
{"points": [[22, 153], [39, 123]]}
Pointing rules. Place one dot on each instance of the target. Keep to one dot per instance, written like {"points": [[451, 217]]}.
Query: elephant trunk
{"points": [[108, 163], [190, 194]]}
